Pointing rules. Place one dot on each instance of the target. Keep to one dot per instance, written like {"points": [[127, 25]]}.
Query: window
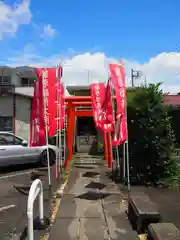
{"points": [[27, 82], [5, 80], [6, 124], [8, 139], [17, 141], [2, 141], [24, 81]]}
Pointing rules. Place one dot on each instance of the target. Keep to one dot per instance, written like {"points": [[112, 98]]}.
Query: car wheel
{"points": [[43, 158]]}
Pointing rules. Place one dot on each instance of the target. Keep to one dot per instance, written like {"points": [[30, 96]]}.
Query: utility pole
{"points": [[88, 73], [132, 78], [145, 81], [134, 75]]}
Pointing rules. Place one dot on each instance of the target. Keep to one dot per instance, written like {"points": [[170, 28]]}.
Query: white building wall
{"points": [[23, 109], [15, 79], [6, 106]]}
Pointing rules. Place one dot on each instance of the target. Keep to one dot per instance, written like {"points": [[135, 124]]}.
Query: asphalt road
{"points": [[13, 204]]}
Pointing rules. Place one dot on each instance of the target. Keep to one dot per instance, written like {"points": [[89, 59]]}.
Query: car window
{"points": [[7, 139], [17, 141], [3, 141]]}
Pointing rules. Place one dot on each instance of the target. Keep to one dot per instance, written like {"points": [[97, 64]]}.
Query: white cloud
{"points": [[48, 31], [28, 55], [85, 68], [11, 17]]}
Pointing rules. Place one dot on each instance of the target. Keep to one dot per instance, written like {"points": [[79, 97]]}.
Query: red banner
{"points": [[47, 88], [97, 94], [45, 106], [40, 109], [37, 135], [118, 79], [60, 98], [107, 118], [50, 95]]}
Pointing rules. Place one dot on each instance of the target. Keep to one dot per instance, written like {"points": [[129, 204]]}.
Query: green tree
{"points": [[150, 134]]}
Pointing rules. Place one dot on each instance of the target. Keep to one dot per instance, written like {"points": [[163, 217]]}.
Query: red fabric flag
{"points": [[49, 93], [37, 135], [50, 89], [39, 120], [97, 94], [118, 79], [40, 108], [107, 118]]}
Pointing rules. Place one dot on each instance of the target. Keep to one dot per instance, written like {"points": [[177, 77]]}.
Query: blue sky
{"points": [[137, 31]]}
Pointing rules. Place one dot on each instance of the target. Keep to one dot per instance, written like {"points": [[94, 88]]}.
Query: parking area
{"points": [[14, 188]]}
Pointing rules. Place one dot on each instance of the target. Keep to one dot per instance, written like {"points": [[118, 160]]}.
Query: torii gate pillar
{"points": [[84, 101]]}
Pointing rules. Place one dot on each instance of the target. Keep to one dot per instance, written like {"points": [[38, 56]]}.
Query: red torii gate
{"points": [[84, 101]]}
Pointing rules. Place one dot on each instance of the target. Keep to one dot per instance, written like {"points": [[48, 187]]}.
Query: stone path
{"points": [[91, 207]]}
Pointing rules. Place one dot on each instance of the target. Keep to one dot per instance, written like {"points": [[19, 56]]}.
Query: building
{"points": [[16, 92], [16, 85]]}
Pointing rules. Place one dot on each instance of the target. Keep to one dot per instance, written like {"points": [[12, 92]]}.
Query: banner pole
{"points": [[117, 150], [124, 161], [127, 149], [57, 122], [33, 136], [59, 130], [36, 120], [44, 79], [37, 111], [64, 127], [60, 142], [127, 161]]}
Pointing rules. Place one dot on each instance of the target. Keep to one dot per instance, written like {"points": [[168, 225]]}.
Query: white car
{"points": [[15, 150]]}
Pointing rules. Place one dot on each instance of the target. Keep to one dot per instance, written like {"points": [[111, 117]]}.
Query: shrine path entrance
{"points": [[91, 207], [86, 136]]}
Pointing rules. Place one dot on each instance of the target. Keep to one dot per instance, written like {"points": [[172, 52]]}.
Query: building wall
{"points": [[12, 72], [6, 106], [15, 75], [23, 109], [15, 79]]}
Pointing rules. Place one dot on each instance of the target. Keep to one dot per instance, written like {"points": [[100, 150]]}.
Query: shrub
{"points": [[150, 135], [174, 113]]}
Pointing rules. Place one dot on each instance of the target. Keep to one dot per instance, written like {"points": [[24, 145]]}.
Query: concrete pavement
{"points": [[13, 220], [92, 206]]}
